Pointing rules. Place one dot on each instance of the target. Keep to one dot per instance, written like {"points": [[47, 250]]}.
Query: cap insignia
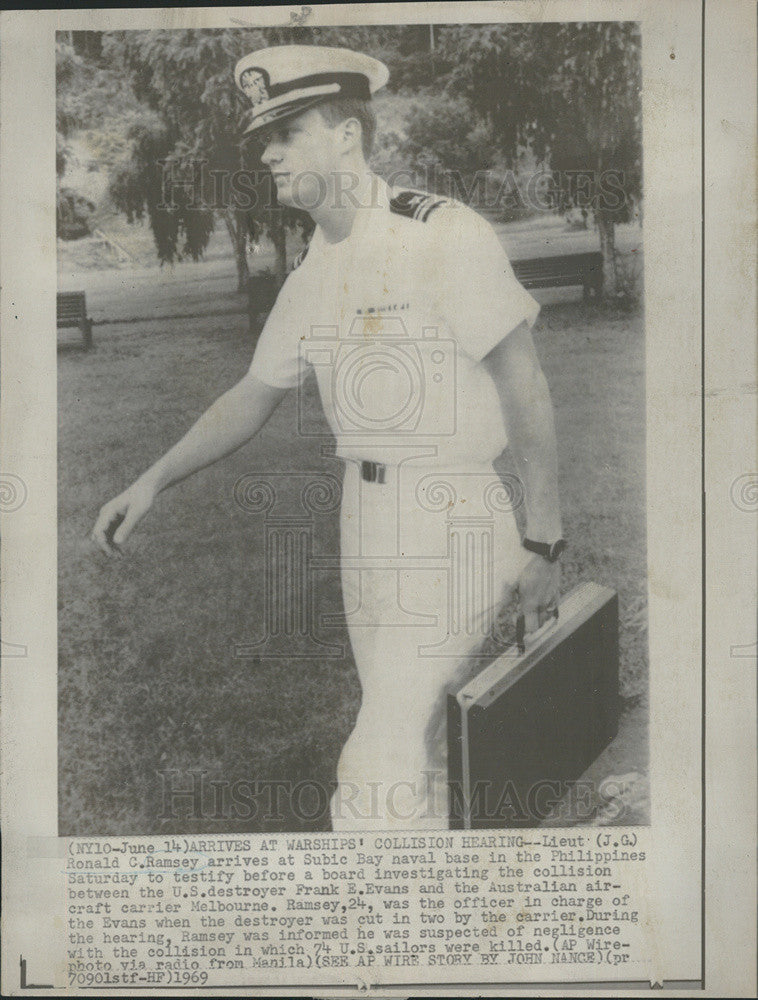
{"points": [[253, 84]]}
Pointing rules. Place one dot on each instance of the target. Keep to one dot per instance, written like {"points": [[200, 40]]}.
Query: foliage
{"points": [[502, 71], [89, 95], [137, 188], [597, 126], [596, 120], [61, 152], [629, 281], [482, 97], [569, 92], [67, 70], [72, 214], [445, 134], [185, 78]]}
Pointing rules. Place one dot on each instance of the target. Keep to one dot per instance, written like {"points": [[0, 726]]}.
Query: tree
{"points": [[597, 126], [186, 78], [186, 156], [448, 148], [72, 212], [67, 73], [571, 93], [502, 70], [137, 187]]}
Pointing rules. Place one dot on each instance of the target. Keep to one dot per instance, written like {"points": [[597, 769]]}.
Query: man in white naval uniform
{"points": [[408, 311]]}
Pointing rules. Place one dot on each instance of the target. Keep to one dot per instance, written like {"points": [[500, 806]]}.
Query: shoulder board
{"points": [[301, 256], [415, 204]]}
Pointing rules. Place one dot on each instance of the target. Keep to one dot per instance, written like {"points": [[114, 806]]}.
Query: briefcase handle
{"points": [[534, 637]]}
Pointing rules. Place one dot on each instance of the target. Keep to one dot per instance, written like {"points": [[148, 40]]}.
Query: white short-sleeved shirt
{"points": [[395, 320]]}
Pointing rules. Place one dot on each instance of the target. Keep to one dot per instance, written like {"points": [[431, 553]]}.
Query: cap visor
{"points": [[274, 118]]}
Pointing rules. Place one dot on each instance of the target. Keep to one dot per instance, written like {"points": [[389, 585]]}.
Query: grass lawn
{"points": [[149, 682]]}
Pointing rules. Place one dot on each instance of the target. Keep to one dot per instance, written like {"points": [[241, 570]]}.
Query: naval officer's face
{"points": [[303, 156]]}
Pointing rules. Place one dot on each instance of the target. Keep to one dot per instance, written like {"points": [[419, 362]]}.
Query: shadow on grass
{"points": [[71, 347]]}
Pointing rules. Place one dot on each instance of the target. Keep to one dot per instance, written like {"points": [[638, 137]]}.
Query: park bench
{"points": [[584, 269], [72, 311]]}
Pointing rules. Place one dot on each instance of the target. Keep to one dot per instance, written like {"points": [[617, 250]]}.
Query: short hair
{"points": [[339, 109]]}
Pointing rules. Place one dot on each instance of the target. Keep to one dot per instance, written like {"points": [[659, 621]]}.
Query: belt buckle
{"points": [[373, 472]]}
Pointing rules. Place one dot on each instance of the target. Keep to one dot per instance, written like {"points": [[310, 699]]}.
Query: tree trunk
{"points": [[278, 236], [239, 241], [606, 228]]}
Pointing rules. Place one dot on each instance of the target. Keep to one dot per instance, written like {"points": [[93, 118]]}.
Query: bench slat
{"points": [[71, 310], [560, 270]]}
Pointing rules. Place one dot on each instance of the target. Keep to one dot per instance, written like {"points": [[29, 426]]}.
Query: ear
{"points": [[352, 134]]}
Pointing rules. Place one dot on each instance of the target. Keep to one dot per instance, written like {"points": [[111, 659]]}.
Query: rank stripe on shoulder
{"points": [[301, 256], [415, 204], [431, 208]]}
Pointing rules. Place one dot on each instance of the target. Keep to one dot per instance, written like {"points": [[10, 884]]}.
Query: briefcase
{"points": [[531, 723]]}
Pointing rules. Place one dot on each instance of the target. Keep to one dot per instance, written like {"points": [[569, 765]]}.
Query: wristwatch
{"points": [[548, 551]]}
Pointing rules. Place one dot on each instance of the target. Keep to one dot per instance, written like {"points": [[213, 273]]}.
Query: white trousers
{"points": [[428, 556]]}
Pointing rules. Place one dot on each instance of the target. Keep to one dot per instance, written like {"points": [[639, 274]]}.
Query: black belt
{"points": [[373, 472]]}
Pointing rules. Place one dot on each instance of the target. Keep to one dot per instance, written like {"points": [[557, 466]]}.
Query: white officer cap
{"points": [[284, 80]]}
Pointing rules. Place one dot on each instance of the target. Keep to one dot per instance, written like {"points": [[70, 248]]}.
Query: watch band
{"points": [[548, 550]]}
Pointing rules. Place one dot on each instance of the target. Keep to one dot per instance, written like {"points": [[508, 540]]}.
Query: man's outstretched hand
{"points": [[118, 517], [538, 589]]}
